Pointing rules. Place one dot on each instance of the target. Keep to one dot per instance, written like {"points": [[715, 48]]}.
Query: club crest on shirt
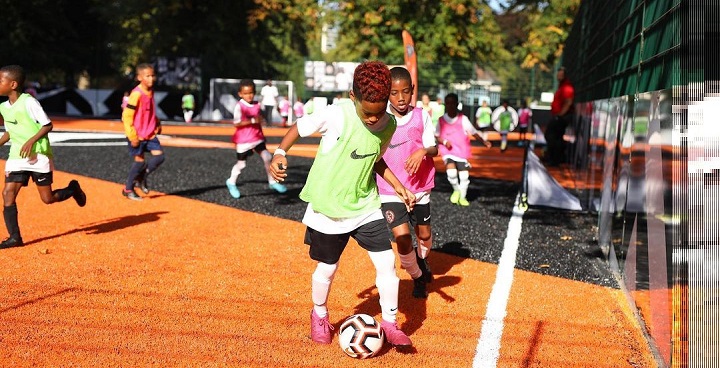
{"points": [[389, 216]]}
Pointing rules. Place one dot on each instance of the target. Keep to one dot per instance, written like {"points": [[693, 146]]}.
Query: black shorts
{"points": [[40, 179], [459, 165], [244, 155], [327, 248], [396, 214]]}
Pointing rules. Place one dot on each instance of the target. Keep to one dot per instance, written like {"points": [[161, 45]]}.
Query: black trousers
{"points": [[555, 152]]}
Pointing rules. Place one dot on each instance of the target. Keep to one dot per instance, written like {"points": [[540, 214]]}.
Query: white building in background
{"points": [[485, 87]]}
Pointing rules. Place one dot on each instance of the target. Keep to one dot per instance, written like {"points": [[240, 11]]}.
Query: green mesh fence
{"points": [[623, 47]]}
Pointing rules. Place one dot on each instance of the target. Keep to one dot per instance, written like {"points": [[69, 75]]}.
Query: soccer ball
{"points": [[360, 336]]}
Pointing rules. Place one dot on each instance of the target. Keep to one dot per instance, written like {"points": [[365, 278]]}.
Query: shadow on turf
{"points": [[414, 309], [107, 226]]}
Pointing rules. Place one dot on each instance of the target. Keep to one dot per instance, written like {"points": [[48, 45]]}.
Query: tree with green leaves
{"points": [[450, 36]]}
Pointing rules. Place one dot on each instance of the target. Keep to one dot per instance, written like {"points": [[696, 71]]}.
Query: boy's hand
{"points": [[447, 144], [260, 119], [412, 164], [407, 196], [26, 149], [487, 144], [278, 168], [135, 144]]}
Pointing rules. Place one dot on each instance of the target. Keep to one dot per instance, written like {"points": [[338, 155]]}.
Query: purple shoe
{"points": [[394, 335], [320, 328]]}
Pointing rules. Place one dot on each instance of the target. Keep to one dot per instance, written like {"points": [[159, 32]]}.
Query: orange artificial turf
{"points": [[125, 283]]}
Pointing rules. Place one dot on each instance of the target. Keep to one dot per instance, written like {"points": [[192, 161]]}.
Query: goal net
{"points": [[223, 96]]}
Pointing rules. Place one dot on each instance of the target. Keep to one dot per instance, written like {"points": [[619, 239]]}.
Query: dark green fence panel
{"points": [[623, 47]]}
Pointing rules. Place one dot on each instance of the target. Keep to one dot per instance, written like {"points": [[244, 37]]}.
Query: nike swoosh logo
{"points": [[426, 218], [355, 156], [397, 145], [41, 179], [12, 122], [393, 309]]}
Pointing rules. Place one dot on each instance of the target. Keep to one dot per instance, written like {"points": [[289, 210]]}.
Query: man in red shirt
{"points": [[562, 111]]}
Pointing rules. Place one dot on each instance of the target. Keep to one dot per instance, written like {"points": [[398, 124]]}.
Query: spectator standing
{"points": [[561, 110], [269, 94]]}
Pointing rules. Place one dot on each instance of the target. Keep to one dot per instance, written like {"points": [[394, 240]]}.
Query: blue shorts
{"points": [[327, 248], [144, 146]]}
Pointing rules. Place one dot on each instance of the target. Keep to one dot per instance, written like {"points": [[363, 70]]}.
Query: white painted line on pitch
{"points": [[66, 136], [89, 144], [488, 347]]}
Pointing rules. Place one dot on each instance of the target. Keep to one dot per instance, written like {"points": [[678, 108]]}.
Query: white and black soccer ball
{"points": [[360, 336]]}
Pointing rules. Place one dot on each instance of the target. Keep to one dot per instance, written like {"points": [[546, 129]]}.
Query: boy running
{"points": [[453, 132], [26, 128], [249, 137]]}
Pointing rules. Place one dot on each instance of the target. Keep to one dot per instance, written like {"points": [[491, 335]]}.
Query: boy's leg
{"points": [[388, 284], [274, 185], [157, 157], [326, 249], [136, 170], [10, 212], [397, 216], [44, 182], [231, 182], [452, 175], [423, 233], [321, 329], [464, 178], [374, 238]]}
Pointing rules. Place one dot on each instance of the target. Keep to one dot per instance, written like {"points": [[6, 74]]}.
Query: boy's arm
{"points": [[483, 141], [278, 166], [128, 116], [429, 150], [382, 169], [5, 138], [26, 148]]}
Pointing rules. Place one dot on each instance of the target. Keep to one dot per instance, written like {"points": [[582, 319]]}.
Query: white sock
{"points": [[387, 282], [452, 175], [464, 182], [424, 247], [267, 158], [236, 170], [321, 282], [409, 263]]}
